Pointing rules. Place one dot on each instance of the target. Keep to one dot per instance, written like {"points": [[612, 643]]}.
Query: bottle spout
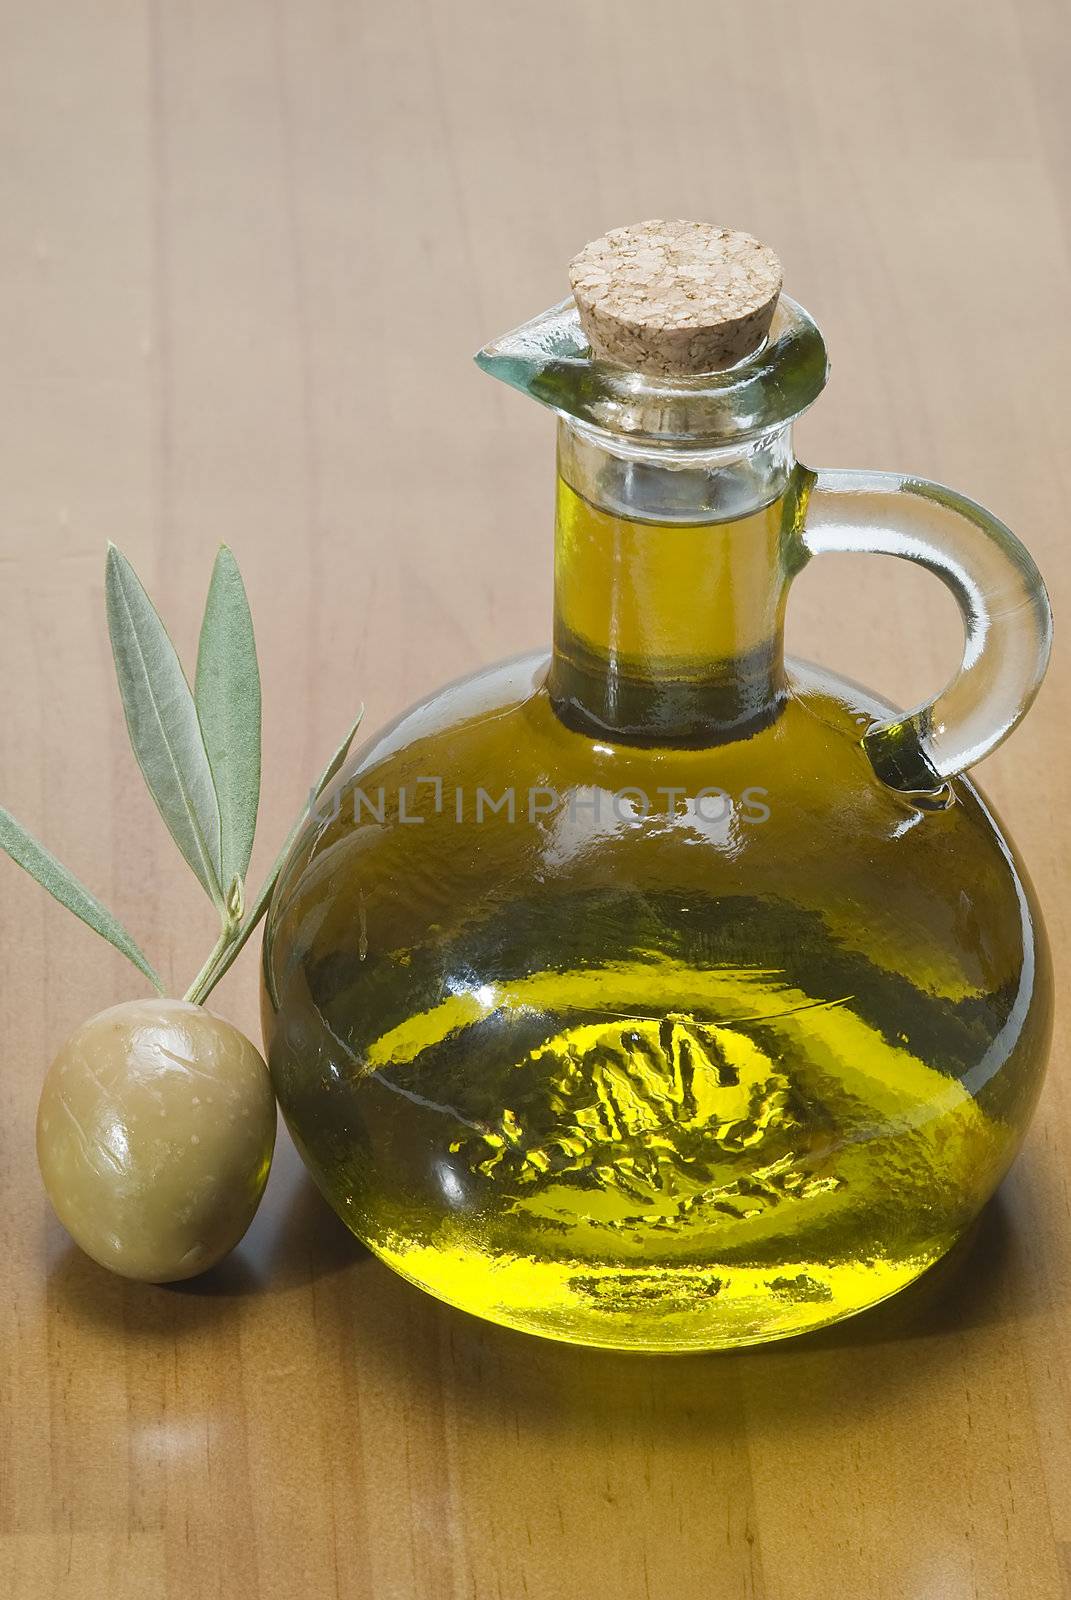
{"points": [[544, 358]]}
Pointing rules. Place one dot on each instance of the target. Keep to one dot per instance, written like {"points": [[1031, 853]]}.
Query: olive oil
{"points": [[661, 993]]}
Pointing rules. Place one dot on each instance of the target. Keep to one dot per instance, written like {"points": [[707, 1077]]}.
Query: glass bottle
{"points": [[662, 993]]}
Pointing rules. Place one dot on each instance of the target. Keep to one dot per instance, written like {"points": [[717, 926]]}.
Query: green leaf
{"points": [[162, 721], [334, 766], [202, 989], [32, 856], [227, 696]]}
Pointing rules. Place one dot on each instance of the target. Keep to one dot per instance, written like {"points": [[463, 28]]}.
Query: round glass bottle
{"points": [[661, 993]]}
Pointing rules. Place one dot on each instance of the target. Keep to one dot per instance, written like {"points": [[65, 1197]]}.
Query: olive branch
{"points": [[199, 753]]}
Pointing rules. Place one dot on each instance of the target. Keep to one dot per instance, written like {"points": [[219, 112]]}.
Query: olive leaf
{"points": [[206, 982], [52, 875], [333, 767], [226, 694], [162, 721]]}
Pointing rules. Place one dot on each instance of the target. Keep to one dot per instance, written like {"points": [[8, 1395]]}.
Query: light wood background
{"points": [[246, 250]]}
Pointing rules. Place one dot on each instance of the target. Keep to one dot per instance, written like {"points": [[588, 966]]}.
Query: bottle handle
{"points": [[1001, 598]]}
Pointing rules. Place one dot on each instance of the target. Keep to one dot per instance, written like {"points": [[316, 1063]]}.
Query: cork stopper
{"points": [[673, 299]]}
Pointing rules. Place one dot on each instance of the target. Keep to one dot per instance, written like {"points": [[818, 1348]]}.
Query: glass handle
{"points": [[1000, 594]]}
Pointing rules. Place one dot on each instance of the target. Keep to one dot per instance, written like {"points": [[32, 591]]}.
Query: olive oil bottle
{"points": [[661, 993]]}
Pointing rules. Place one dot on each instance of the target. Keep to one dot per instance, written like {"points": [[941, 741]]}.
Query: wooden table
{"points": [[246, 252]]}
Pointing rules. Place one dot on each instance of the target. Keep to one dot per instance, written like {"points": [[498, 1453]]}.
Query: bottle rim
{"points": [[549, 359]]}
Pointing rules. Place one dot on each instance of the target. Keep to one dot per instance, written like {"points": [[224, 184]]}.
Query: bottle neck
{"points": [[671, 574]]}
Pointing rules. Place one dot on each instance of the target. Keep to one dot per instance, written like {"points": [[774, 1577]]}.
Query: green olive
{"points": [[155, 1134]]}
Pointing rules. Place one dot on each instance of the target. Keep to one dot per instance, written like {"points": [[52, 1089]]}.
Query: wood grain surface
{"points": [[246, 251]]}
